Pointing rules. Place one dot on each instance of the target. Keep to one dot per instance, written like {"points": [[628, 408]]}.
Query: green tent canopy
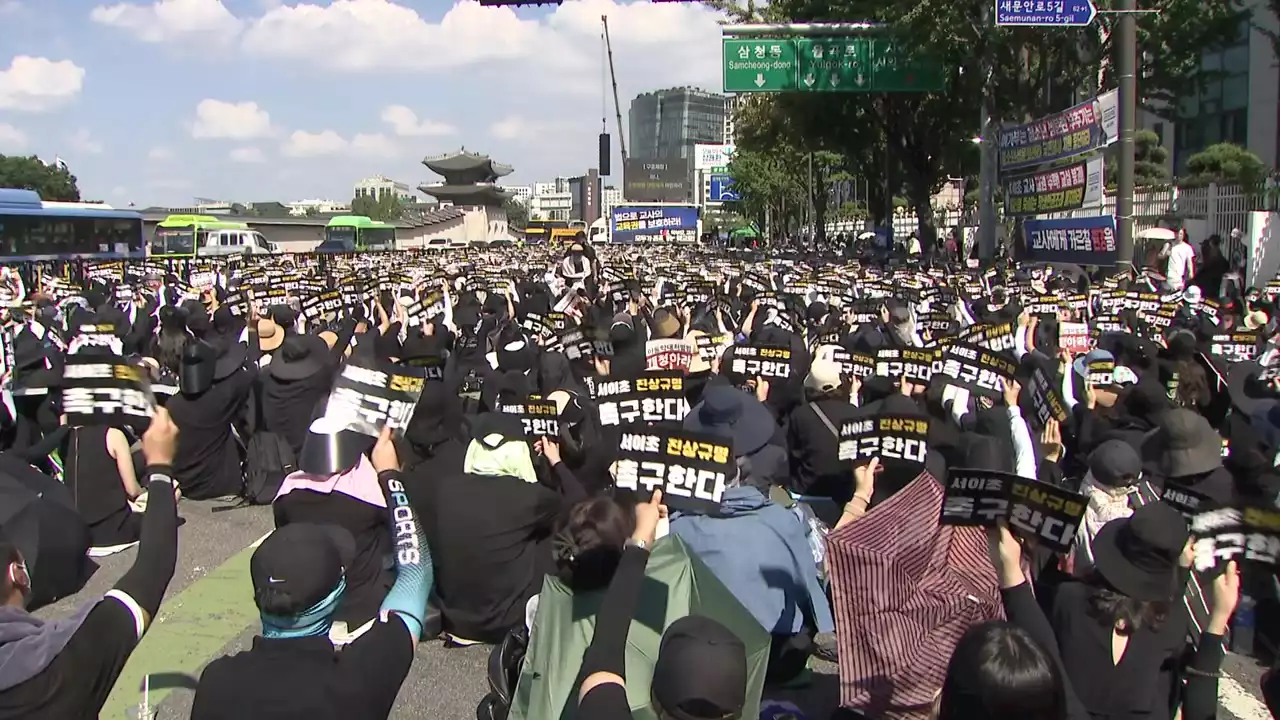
{"points": [[745, 232], [677, 584]]}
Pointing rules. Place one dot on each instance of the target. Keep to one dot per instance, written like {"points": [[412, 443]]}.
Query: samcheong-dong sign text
{"points": [[1080, 241], [673, 223], [1084, 128]]}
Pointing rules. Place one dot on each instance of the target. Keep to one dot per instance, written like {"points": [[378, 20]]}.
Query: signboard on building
{"points": [[664, 180], [654, 224], [722, 190], [1091, 125], [711, 157]]}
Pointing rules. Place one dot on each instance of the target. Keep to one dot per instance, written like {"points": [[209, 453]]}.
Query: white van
{"points": [[236, 242]]}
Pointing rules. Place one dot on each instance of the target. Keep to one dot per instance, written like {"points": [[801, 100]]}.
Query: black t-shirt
{"points": [[307, 678], [76, 684]]}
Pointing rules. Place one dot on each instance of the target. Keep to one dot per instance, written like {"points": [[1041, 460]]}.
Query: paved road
{"points": [[209, 612]]}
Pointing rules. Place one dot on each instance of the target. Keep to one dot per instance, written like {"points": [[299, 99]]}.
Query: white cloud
{"points": [[11, 139], [303, 144], [373, 145], [171, 20], [232, 121], [83, 141], [250, 155], [159, 153], [35, 84], [405, 123], [508, 128]]}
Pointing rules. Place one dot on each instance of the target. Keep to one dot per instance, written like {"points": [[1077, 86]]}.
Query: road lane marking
{"points": [[191, 628]]}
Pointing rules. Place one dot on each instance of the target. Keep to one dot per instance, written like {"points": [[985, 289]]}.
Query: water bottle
{"points": [[1242, 626]]}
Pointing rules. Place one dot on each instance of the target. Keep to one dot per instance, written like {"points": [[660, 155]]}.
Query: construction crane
{"points": [[617, 107]]}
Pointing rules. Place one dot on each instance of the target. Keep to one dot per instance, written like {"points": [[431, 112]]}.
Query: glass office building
{"points": [[666, 124]]}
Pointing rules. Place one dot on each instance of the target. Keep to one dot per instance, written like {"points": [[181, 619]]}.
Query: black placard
{"points": [[317, 306], [892, 438], [654, 396], [858, 365], [914, 364], [1185, 500], [1235, 347], [996, 338], [710, 346], [106, 390], [692, 469], [1044, 513], [539, 417], [975, 497], [1250, 534], [1046, 399], [751, 361], [370, 395], [979, 370]]}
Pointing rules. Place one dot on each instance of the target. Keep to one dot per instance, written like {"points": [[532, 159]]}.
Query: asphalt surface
{"points": [[208, 612]]}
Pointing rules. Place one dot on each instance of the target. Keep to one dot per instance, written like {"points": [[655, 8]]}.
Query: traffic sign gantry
{"points": [[759, 65], [828, 64], [1063, 13]]}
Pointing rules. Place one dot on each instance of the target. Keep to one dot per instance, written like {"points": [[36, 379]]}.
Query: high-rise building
{"points": [[730, 131], [666, 124]]}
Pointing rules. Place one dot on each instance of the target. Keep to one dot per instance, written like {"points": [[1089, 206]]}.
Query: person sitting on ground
{"points": [[299, 577], [66, 668]]}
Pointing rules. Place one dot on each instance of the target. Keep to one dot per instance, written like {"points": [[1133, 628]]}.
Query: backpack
{"points": [[269, 459]]}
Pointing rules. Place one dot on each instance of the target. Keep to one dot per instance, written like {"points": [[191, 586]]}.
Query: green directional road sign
{"points": [[895, 72], [834, 64], [759, 65]]}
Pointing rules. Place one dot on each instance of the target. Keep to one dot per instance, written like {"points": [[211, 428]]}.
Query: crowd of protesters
{"points": [[453, 527]]}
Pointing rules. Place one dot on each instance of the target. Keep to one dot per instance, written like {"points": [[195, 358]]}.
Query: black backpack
{"points": [[268, 460]]}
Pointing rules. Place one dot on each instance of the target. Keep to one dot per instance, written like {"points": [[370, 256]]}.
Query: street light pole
{"points": [[1126, 69], [987, 156]]}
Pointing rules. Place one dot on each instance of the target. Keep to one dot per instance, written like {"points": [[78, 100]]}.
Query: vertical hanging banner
{"points": [[1069, 187], [1091, 125]]}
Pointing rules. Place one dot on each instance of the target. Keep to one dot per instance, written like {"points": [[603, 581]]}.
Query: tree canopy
{"points": [[30, 173], [386, 207], [517, 214], [911, 144], [1226, 164]]}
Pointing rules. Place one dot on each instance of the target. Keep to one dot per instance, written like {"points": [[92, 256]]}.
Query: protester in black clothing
{"points": [[66, 668], [490, 528], [98, 470], [215, 385], [299, 578], [813, 435], [295, 384]]}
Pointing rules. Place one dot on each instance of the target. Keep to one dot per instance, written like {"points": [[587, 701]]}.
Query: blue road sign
{"points": [[722, 189], [1063, 13]]}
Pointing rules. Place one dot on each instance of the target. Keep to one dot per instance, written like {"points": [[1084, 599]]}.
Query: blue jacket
{"points": [[759, 551]]}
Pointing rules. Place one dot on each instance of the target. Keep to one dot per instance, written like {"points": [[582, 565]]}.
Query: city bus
{"points": [[179, 236], [31, 229], [539, 232], [356, 233]]}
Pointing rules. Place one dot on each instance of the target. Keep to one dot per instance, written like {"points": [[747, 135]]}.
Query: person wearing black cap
{"points": [[214, 386], [293, 387], [701, 669], [299, 577], [66, 668]]}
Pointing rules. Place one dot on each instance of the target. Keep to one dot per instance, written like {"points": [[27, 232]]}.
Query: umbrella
{"points": [[677, 584], [38, 516], [905, 589]]}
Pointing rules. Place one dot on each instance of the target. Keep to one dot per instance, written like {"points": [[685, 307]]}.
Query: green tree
{"points": [[389, 208], [517, 214], [1149, 161], [1225, 164], [364, 205], [29, 173]]}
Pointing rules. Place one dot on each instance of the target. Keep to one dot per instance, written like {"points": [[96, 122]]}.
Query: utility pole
{"points": [[1126, 68], [813, 223], [988, 160]]}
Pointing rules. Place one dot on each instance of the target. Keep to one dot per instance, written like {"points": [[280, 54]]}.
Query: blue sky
{"points": [[160, 102]]}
